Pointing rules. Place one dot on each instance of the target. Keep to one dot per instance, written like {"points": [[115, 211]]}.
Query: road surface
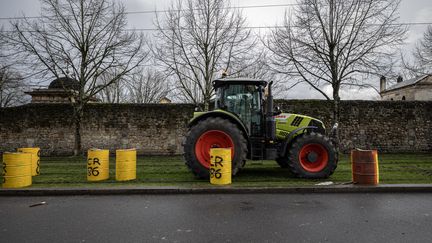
{"points": [[219, 218]]}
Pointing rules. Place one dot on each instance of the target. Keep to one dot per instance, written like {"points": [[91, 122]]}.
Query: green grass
{"points": [[171, 171]]}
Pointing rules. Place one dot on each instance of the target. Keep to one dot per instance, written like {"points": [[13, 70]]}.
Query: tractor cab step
{"points": [[257, 148]]}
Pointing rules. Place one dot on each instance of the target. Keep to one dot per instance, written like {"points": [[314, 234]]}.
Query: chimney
{"points": [[399, 79], [383, 83]]}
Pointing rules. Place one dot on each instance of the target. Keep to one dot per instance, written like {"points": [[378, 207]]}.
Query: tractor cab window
{"points": [[244, 101]]}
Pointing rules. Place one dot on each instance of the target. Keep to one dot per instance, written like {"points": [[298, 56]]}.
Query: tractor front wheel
{"points": [[213, 132], [312, 156]]}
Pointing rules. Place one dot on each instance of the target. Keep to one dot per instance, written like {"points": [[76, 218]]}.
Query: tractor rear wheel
{"points": [[282, 162], [213, 132], [312, 156]]}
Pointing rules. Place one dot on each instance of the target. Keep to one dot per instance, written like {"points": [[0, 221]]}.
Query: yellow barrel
{"points": [[35, 152], [220, 166], [17, 170], [97, 165], [125, 164]]}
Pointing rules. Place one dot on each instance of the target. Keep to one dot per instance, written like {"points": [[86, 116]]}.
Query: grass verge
{"points": [[171, 171]]}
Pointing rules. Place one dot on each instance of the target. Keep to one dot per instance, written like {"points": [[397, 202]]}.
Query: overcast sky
{"points": [[418, 11]]}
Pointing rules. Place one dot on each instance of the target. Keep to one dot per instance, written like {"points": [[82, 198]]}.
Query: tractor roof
{"points": [[228, 81]]}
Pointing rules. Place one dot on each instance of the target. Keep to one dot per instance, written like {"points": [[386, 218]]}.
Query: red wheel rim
{"points": [[212, 139], [313, 157]]}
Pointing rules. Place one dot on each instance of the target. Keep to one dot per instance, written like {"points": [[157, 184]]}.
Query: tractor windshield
{"points": [[244, 101]]}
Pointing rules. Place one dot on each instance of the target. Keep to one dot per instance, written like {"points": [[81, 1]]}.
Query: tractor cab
{"points": [[244, 98]]}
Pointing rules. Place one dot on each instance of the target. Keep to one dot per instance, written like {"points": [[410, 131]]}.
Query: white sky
{"points": [[410, 11]]}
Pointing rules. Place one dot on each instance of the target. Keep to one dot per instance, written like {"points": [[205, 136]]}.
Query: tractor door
{"points": [[245, 102]]}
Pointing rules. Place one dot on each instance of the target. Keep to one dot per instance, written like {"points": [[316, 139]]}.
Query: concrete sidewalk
{"points": [[384, 188]]}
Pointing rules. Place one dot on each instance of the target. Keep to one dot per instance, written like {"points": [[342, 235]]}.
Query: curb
{"points": [[387, 188]]}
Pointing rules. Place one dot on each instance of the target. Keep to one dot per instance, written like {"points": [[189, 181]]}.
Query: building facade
{"points": [[60, 90], [419, 88]]}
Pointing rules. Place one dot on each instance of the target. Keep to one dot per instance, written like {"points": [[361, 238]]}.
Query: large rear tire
{"points": [[213, 132], [312, 156], [282, 162]]}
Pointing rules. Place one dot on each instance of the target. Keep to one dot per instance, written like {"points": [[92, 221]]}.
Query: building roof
{"points": [[64, 83], [63, 87], [165, 99], [406, 83], [49, 92]]}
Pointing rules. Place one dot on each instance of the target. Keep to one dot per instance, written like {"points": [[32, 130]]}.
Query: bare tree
{"points": [[259, 68], [143, 85], [12, 87], [148, 86], [196, 41], [336, 43], [81, 39], [422, 63], [113, 92], [423, 52]]}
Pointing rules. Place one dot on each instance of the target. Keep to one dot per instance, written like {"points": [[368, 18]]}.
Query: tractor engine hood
{"points": [[286, 123]]}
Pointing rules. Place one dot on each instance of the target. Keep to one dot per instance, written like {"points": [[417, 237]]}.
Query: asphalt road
{"points": [[219, 218]]}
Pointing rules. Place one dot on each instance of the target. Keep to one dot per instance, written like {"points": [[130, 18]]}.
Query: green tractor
{"points": [[245, 121]]}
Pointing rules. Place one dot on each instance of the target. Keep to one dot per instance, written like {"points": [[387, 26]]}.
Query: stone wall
{"points": [[390, 126], [151, 129], [159, 129]]}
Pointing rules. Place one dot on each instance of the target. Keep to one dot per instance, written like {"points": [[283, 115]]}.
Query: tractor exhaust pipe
{"points": [[270, 121]]}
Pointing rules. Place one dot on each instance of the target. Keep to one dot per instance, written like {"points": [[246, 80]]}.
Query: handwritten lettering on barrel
{"points": [[38, 163], [93, 170], [4, 173], [4, 169], [214, 171]]}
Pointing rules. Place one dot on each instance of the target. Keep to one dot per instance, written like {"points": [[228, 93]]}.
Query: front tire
{"points": [[213, 132], [312, 156]]}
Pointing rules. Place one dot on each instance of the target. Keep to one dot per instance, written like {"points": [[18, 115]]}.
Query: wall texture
{"points": [[390, 126], [151, 129]]}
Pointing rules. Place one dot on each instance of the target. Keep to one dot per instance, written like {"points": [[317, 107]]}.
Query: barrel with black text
{"points": [[220, 166], [35, 152], [125, 164], [17, 170], [97, 165], [365, 168]]}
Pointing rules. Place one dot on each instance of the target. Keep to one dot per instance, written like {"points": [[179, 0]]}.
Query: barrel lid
{"points": [[15, 153]]}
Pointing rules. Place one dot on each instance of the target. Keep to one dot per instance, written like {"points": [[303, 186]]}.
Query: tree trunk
{"points": [[206, 105], [336, 111], [77, 145], [78, 114]]}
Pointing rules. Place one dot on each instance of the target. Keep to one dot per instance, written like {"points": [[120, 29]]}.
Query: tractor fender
{"points": [[223, 114], [291, 136]]}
